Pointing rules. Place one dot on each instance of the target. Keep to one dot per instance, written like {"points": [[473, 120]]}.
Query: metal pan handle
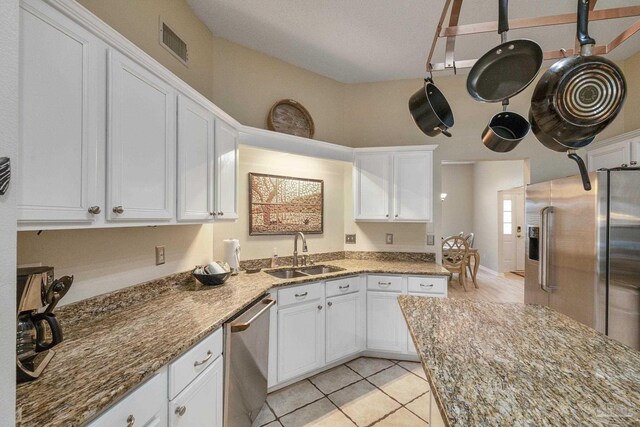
{"points": [[583, 24], [503, 16]]}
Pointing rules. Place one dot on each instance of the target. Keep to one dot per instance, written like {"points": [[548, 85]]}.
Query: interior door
{"points": [[520, 227], [141, 143], [507, 230]]}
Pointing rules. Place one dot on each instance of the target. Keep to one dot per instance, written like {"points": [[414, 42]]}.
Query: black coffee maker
{"points": [[38, 329]]}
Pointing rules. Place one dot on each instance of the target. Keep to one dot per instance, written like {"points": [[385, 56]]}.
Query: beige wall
{"points": [[271, 162], [138, 21], [457, 207], [489, 178], [632, 104], [103, 260]]}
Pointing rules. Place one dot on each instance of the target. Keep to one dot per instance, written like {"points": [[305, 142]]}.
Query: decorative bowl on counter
{"points": [[213, 274]]}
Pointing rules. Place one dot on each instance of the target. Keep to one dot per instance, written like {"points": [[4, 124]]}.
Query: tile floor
{"points": [[363, 392]]}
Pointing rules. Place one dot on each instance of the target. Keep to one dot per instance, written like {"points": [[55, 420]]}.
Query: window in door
{"points": [[507, 217]]}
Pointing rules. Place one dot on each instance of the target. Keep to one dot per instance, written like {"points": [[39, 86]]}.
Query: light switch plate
{"points": [[389, 239], [431, 239], [159, 255], [350, 239]]}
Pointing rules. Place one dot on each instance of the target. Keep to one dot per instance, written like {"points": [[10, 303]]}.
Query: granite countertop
{"points": [[493, 364], [116, 341]]}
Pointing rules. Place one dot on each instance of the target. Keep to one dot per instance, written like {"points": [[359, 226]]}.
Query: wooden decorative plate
{"points": [[289, 116]]}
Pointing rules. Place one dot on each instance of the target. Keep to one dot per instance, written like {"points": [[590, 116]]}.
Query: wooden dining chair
{"points": [[454, 257], [470, 238]]}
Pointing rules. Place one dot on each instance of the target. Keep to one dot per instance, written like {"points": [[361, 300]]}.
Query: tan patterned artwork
{"points": [[285, 205]]}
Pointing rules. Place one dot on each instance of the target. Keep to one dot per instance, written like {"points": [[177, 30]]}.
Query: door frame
{"points": [[501, 194]]}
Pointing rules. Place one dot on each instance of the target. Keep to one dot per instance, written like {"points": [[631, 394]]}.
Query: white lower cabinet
{"points": [[300, 337], [345, 325], [146, 406], [200, 403], [386, 327]]}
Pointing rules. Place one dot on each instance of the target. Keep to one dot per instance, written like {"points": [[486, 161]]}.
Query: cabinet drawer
{"points": [[384, 283], [428, 285], [297, 294], [344, 286], [193, 362], [144, 406]]}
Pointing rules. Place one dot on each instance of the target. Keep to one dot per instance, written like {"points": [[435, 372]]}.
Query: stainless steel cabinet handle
{"points": [[94, 210], [422, 285], [239, 327], [384, 283], [329, 303], [319, 307], [118, 209], [180, 410], [396, 215], [212, 213], [343, 287], [131, 420], [387, 215], [205, 360], [221, 213], [304, 294]]}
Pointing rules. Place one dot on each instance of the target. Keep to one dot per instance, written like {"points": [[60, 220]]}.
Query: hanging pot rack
{"points": [[453, 30]]}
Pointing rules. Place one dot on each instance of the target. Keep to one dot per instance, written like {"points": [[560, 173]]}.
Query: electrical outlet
{"points": [[350, 239], [159, 255], [389, 239], [431, 240]]}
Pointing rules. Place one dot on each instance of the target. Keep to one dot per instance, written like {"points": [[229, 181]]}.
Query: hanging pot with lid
{"points": [[579, 96], [430, 110], [507, 69]]}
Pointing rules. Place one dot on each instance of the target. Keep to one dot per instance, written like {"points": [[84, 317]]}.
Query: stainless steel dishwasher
{"points": [[246, 362]]}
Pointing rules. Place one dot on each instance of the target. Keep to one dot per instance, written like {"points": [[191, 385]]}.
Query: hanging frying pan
{"points": [[430, 109], [555, 145], [507, 69], [578, 96]]}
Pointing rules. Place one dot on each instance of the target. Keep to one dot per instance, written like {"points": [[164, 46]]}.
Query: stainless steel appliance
{"points": [[246, 364], [583, 250], [37, 330]]}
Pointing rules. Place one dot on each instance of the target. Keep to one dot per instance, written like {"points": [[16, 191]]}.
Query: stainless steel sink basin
{"points": [[291, 273], [286, 274], [320, 269]]}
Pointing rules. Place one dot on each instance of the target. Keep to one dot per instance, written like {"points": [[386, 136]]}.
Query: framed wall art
{"points": [[285, 205]]}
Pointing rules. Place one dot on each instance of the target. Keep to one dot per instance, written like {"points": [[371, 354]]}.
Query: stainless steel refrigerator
{"points": [[583, 250]]}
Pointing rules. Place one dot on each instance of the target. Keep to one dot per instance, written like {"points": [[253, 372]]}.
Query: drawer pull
{"points": [[131, 420], [94, 210], [118, 210], [180, 410], [422, 285], [384, 283], [304, 294], [205, 360], [343, 287]]}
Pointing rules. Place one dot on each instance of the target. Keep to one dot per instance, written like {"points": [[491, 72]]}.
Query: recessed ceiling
{"points": [[355, 41]]}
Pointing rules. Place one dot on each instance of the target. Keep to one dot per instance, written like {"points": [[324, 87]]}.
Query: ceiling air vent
{"points": [[174, 44]]}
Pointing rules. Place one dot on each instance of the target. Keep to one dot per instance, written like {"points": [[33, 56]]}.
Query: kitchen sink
{"points": [[286, 274], [291, 273], [320, 269]]}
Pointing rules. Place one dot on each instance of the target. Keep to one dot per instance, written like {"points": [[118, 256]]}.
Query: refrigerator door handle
{"points": [[546, 230]]}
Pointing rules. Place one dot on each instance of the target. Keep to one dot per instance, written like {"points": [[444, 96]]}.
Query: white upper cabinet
{"points": [[412, 186], [371, 180], [393, 185], [141, 143], [195, 161], [612, 153], [57, 172], [226, 151]]}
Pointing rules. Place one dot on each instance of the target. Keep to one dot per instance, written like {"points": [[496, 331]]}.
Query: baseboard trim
{"points": [[490, 271]]}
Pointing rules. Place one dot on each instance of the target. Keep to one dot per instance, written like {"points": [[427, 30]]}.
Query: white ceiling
{"points": [[356, 41]]}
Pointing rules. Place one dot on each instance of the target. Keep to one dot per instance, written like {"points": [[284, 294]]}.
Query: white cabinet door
{"points": [[386, 327], [635, 150], [300, 340], [141, 143], [371, 186], [195, 161], [226, 171], [412, 184], [609, 156], [56, 174], [345, 325], [200, 404], [146, 406]]}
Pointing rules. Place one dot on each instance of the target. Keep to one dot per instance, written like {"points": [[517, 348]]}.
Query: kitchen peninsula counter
{"points": [[115, 342], [499, 364]]}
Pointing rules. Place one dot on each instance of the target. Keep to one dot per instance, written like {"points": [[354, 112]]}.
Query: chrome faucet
{"points": [[295, 247]]}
